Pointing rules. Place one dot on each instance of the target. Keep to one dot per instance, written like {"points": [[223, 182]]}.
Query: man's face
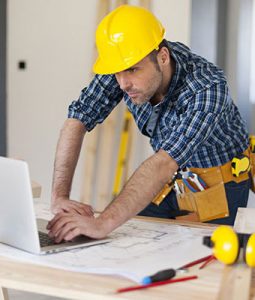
{"points": [[142, 81]]}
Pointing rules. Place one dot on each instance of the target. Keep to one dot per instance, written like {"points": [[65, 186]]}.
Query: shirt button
{"points": [[150, 130], [156, 111]]}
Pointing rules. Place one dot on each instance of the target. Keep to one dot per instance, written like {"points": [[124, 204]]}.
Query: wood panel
{"points": [[92, 138], [4, 294]]}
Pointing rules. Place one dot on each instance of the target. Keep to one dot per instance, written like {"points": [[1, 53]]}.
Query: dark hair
{"points": [[153, 54]]}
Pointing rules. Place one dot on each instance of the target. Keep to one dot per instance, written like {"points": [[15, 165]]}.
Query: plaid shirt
{"points": [[196, 123]]}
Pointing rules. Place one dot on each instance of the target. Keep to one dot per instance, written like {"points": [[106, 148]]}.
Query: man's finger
{"points": [[64, 232], [52, 222], [83, 208], [55, 229], [88, 211], [72, 234]]}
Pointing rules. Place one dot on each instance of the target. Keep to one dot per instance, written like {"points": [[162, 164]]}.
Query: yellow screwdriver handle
{"points": [[162, 194]]}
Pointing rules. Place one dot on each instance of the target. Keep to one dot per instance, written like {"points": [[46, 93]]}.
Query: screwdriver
{"points": [[161, 276], [170, 273]]}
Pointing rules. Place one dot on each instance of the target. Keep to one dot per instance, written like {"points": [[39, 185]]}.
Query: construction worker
{"points": [[178, 99]]}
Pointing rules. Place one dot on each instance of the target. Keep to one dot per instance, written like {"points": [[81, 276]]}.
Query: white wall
{"points": [[56, 40], [252, 82], [175, 16]]}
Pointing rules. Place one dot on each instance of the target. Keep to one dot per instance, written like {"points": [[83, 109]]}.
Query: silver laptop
{"points": [[18, 224]]}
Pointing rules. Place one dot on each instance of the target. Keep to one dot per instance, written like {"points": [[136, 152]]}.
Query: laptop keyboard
{"points": [[45, 240]]}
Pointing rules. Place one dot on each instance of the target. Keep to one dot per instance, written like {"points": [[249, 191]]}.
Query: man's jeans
{"points": [[237, 196]]}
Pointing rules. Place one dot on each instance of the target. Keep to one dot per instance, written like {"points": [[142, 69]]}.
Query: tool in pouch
{"points": [[192, 181], [164, 192], [202, 192], [186, 175]]}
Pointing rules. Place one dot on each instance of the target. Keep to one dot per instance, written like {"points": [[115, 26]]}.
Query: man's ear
{"points": [[163, 56]]}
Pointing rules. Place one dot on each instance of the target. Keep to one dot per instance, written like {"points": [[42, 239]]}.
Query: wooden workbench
{"points": [[214, 282]]}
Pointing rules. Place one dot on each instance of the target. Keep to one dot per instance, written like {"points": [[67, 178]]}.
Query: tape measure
{"points": [[240, 164]]}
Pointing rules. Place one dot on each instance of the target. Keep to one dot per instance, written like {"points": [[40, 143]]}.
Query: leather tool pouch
{"points": [[209, 204], [252, 172]]}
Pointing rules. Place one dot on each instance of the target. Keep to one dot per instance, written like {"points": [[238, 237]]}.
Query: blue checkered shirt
{"points": [[196, 123]]}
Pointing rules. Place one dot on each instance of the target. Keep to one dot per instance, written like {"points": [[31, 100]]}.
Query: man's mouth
{"points": [[132, 94]]}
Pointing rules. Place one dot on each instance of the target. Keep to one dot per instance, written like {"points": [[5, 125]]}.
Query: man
{"points": [[178, 99]]}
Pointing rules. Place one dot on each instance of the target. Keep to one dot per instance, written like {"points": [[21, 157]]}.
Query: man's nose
{"points": [[123, 81]]}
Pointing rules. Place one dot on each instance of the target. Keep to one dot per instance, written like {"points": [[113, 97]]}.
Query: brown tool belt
{"points": [[210, 203]]}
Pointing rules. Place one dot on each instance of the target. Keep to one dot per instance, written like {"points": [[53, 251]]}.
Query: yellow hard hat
{"points": [[124, 37]]}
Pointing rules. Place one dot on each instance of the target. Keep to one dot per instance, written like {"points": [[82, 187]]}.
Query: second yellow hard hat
{"points": [[124, 37]]}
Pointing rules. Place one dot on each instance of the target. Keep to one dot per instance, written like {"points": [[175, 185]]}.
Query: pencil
{"points": [[207, 262], [198, 261], [154, 284]]}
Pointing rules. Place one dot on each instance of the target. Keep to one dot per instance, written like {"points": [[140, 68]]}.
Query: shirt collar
{"points": [[176, 74]]}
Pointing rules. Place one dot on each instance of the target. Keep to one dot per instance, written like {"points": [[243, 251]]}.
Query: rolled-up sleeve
{"points": [[196, 124], [96, 101]]}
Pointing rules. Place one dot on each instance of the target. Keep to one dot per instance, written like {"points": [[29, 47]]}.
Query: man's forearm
{"points": [[140, 190], [67, 154]]}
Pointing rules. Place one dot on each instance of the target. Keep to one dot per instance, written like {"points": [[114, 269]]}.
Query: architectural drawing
{"points": [[137, 248]]}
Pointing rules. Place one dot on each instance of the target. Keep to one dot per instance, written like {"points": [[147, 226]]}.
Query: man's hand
{"points": [[67, 205], [68, 225]]}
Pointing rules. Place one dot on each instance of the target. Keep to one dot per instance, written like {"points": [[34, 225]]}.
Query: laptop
{"points": [[18, 225]]}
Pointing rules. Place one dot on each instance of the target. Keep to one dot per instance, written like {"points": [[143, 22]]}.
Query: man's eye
{"points": [[132, 70]]}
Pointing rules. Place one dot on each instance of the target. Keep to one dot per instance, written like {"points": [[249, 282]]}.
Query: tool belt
{"points": [[210, 203]]}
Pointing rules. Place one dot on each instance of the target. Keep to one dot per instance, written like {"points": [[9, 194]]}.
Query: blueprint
{"points": [[137, 249]]}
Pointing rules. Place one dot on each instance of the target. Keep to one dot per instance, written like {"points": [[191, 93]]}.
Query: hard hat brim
{"points": [[100, 67]]}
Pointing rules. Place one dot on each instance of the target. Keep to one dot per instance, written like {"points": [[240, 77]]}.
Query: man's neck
{"points": [[168, 73]]}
